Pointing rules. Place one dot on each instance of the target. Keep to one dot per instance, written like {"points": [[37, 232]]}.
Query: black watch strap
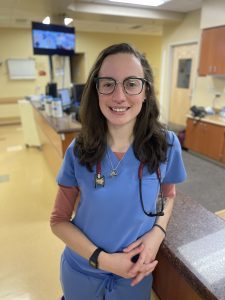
{"points": [[93, 260]]}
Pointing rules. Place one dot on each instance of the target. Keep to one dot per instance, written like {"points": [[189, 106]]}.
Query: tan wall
{"points": [[91, 44], [16, 43], [213, 13]]}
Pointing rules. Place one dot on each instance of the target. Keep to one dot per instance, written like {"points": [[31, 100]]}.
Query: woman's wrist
{"points": [[160, 228], [104, 260]]}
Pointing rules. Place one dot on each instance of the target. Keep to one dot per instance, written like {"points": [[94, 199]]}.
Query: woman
{"points": [[122, 162]]}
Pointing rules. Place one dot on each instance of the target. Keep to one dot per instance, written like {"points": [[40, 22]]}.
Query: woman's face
{"points": [[120, 108]]}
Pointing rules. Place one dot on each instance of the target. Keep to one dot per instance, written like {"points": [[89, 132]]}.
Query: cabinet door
{"points": [[205, 138], [212, 52], [214, 138], [223, 150], [206, 52], [195, 136], [217, 59]]}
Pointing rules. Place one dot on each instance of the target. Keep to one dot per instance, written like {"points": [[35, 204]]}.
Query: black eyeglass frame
{"points": [[143, 80]]}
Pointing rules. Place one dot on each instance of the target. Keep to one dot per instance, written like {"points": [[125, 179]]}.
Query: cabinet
{"points": [[169, 283], [212, 52], [206, 138]]}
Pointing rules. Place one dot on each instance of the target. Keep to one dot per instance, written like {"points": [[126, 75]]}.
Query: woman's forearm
{"points": [[74, 238], [168, 208]]}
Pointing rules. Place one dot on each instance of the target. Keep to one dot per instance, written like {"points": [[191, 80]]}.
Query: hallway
{"points": [[29, 252]]}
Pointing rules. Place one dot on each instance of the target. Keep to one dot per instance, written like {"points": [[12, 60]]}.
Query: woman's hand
{"points": [[146, 262], [120, 263]]}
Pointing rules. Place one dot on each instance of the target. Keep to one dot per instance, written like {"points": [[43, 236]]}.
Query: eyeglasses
{"points": [[131, 85], [161, 199]]}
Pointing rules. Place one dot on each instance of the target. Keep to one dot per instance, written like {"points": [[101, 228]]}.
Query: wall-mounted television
{"points": [[50, 39]]}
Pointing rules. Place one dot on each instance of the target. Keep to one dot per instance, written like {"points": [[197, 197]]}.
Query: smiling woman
{"points": [[124, 165]]}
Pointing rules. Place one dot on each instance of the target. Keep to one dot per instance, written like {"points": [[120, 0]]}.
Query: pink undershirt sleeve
{"points": [[169, 190], [64, 204]]}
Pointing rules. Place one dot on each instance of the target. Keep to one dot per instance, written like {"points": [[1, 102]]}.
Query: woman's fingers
{"points": [[149, 269], [143, 267], [137, 279]]}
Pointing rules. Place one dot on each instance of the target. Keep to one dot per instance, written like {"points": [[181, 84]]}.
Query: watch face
{"points": [[93, 264]]}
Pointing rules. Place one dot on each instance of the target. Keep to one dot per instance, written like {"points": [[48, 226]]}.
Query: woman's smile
{"points": [[115, 109]]}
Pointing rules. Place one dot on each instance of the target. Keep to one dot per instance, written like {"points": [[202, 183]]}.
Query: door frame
{"points": [[166, 79]]}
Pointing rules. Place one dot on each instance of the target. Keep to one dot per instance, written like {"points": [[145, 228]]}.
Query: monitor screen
{"points": [[78, 89], [64, 95], [49, 39]]}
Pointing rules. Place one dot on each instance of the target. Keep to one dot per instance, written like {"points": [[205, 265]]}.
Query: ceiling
{"points": [[96, 15]]}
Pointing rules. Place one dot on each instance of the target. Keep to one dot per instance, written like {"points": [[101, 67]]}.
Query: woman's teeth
{"points": [[119, 109]]}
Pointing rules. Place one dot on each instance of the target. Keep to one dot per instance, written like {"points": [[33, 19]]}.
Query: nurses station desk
{"points": [[191, 258], [55, 134]]}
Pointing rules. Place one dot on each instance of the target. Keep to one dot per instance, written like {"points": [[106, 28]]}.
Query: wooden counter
{"points": [[55, 134], [206, 136], [192, 258]]}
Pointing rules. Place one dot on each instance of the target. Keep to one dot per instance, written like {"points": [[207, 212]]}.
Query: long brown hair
{"points": [[149, 143]]}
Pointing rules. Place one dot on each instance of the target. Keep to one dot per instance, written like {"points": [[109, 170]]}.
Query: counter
{"points": [[55, 134], [212, 119], [192, 257]]}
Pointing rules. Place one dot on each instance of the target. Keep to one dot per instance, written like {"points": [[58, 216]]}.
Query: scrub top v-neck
{"points": [[111, 216]]}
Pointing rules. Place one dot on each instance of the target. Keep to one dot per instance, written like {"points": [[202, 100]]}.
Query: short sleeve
{"points": [[175, 170], [66, 175]]}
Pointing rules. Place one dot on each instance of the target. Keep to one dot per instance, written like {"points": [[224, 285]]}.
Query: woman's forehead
{"points": [[121, 64]]}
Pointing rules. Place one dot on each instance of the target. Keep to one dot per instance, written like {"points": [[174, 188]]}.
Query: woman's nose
{"points": [[119, 93]]}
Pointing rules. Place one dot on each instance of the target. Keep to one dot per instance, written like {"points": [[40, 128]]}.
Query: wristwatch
{"points": [[93, 260]]}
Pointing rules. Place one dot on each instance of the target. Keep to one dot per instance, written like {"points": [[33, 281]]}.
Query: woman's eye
{"points": [[131, 83], [108, 84]]}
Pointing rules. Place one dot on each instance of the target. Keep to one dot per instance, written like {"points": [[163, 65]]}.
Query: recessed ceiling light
{"points": [[46, 20], [67, 21], [142, 2]]}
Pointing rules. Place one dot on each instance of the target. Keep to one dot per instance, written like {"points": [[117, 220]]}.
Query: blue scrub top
{"points": [[112, 216]]}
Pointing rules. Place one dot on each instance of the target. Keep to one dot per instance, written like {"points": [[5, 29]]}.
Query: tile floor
{"points": [[29, 253]]}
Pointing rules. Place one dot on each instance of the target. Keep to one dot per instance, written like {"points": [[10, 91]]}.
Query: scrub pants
{"points": [[79, 286]]}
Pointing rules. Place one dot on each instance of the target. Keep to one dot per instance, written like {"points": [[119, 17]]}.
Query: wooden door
{"points": [[183, 70]]}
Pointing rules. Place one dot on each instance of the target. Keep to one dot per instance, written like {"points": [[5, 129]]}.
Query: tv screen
{"points": [[49, 39]]}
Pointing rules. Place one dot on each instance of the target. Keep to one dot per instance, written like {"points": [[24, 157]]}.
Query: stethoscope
{"points": [[99, 180]]}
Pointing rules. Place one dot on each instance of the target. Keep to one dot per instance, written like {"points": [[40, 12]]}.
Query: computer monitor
{"points": [[77, 92], [64, 95]]}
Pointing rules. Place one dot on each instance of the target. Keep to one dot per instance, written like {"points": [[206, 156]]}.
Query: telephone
{"points": [[198, 111]]}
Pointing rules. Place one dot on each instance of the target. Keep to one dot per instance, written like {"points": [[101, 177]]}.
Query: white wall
{"points": [[213, 13], [188, 31]]}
